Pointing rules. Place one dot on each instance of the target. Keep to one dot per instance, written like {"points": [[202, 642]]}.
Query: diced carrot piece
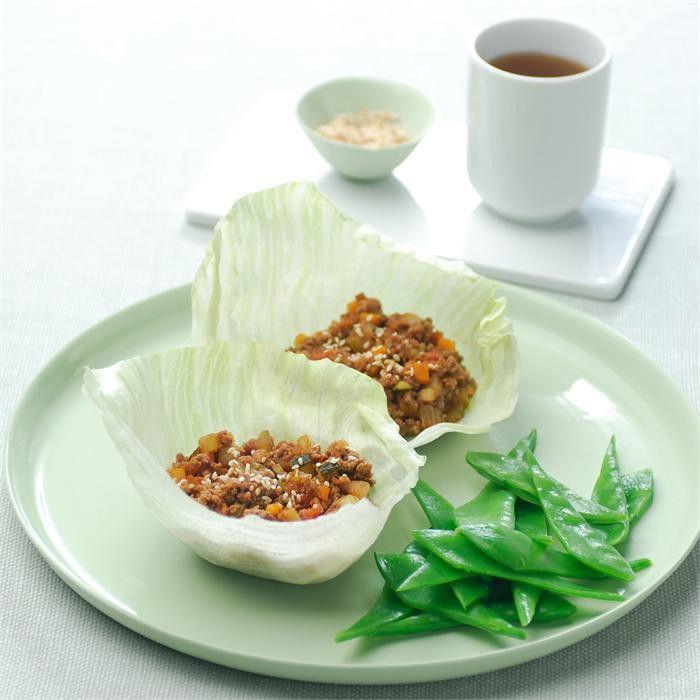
{"points": [[421, 372], [300, 339], [436, 337], [379, 350], [313, 512], [352, 306], [274, 509], [446, 344], [323, 491], [177, 473]]}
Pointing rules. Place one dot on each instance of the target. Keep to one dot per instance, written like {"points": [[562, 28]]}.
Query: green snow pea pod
{"points": [[550, 607], [415, 624], [437, 508], [440, 600], [469, 590], [553, 607], [529, 442], [608, 492], [530, 519], [583, 542], [518, 552], [457, 551], [431, 572], [514, 474], [492, 503], [640, 564], [639, 493], [525, 599], [388, 608]]}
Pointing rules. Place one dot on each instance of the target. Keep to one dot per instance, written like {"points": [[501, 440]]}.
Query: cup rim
{"points": [[517, 77]]}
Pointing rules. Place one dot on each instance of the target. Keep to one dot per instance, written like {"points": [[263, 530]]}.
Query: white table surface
{"points": [[110, 110]]}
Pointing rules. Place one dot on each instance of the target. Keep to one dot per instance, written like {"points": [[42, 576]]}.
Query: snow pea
{"points": [[582, 541], [432, 572], [440, 600], [640, 564], [469, 590], [529, 442], [457, 551], [492, 503], [514, 475], [438, 509], [608, 492], [388, 608], [530, 519], [518, 552], [639, 493], [415, 624], [549, 608], [525, 599]]}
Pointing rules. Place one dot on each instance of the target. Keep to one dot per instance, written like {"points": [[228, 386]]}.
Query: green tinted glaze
{"points": [[138, 574]]}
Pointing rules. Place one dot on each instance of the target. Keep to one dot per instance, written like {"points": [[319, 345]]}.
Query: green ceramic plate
{"points": [[581, 382]]}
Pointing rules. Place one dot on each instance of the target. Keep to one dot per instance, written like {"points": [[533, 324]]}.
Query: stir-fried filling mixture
{"points": [[288, 480], [419, 368]]}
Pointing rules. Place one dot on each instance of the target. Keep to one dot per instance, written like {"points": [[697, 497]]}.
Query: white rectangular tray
{"points": [[430, 203]]}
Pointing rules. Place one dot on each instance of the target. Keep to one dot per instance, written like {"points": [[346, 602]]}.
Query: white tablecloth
{"points": [[111, 110]]}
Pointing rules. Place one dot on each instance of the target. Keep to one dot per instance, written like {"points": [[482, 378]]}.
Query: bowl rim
{"points": [[412, 142]]}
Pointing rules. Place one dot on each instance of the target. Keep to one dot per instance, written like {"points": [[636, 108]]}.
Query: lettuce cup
{"points": [[298, 507], [287, 267]]}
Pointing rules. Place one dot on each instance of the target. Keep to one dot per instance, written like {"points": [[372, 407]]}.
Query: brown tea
{"points": [[537, 65]]}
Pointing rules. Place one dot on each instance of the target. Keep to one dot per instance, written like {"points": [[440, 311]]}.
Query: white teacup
{"points": [[535, 143]]}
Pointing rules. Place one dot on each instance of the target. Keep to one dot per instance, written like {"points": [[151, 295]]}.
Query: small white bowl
{"points": [[325, 101]]}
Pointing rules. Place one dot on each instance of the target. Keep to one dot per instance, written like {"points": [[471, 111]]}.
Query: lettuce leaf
{"points": [[286, 260], [157, 405]]}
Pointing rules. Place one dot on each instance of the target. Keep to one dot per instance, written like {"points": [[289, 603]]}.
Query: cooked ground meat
{"points": [[421, 371], [290, 480]]}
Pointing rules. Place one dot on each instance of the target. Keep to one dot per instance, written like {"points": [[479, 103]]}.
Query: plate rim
{"points": [[370, 674]]}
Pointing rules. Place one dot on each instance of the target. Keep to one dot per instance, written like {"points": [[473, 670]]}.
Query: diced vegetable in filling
{"points": [[420, 369], [288, 480]]}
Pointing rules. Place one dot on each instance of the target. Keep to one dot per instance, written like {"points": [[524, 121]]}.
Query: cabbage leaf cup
{"points": [[157, 405], [286, 261]]}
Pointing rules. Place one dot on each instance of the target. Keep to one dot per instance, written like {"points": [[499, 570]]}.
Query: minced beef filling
{"points": [[289, 480], [421, 371]]}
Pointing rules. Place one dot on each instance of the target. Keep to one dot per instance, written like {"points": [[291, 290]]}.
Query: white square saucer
{"points": [[430, 203]]}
